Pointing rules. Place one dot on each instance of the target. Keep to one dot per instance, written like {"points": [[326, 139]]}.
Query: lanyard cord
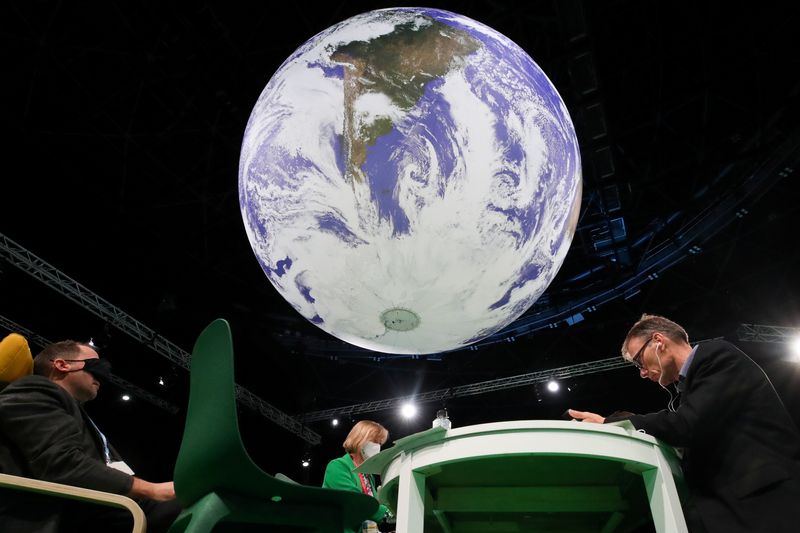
{"points": [[366, 484], [106, 451]]}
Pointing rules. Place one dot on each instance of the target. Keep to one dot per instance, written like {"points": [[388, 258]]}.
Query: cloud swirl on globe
{"points": [[410, 180]]}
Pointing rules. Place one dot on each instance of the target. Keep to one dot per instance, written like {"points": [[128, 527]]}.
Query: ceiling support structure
{"points": [[123, 384], [473, 389], [688, 241], [762, 333], [29, 263]]}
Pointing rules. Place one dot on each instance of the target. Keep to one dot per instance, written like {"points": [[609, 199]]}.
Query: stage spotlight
{"points": [[125, 397], [408, 410], [794, 347], [335, 422], [552, 385]]}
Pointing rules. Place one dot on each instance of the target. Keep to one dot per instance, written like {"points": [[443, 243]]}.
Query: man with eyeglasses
{"points": [[46, 434], [741, 449]]}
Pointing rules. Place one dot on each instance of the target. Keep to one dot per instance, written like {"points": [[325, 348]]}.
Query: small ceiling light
{"points": [[408, 410], [306, 463], [161, 381], [552, 385], [335, 422], [125, 398]]}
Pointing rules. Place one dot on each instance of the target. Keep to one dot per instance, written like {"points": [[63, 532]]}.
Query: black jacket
{"points": [[44, 434], [741, 448]]}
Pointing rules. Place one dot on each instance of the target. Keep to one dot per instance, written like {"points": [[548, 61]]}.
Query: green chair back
{"points": [[215, 479], [212, 456]]}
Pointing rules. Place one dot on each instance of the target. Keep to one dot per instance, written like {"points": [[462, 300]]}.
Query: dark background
{"points": [[122, 126]]}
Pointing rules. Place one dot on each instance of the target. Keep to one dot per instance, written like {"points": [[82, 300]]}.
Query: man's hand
{"points": [[160, 492], [586, 416]]}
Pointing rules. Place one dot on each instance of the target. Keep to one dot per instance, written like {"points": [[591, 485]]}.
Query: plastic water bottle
{"points": [[441, 419]]}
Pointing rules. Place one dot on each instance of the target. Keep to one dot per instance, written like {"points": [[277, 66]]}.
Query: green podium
{"points": [[530, 476]]}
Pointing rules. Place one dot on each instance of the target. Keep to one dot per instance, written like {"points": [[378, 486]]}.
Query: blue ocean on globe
{"points": [[410, 180]]}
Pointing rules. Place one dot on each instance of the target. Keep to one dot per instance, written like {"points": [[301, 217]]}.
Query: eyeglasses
{"points": [[636, 360]]}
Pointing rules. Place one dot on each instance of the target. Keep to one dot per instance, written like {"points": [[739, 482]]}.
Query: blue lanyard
{"points": [[106, 452]]}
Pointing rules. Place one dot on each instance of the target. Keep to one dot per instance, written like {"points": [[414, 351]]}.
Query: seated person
{"points": [[741, 459], [363, 441], [46, 434]]}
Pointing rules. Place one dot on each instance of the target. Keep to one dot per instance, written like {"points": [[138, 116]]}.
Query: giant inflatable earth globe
{"points": [[410, 180]]}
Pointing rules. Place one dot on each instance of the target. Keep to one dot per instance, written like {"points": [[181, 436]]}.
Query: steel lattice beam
{"points": [[473, 389], [29, 263], [688, 241], [762, 333], [40, 341]]}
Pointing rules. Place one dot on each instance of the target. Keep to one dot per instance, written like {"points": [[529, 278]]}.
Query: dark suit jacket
{"points": [[44, 434], [741, 448]]}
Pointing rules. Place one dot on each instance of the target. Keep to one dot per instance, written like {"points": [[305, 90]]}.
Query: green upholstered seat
{"points": [[215, 479]]}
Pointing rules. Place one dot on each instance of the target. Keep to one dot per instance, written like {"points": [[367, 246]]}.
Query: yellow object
{"points": [[15, 358]]}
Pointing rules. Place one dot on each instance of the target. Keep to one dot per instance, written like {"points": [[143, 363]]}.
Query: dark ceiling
{"points": [[123, 124]]}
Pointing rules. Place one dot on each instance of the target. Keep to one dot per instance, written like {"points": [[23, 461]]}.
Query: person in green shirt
{"points": [[363, 441]]}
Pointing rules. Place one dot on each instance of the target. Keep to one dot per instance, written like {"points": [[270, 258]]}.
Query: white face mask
{"points": [[370, 449]]}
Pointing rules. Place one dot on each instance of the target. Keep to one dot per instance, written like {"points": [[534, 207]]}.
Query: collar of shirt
{"points": [[685, 368]]}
